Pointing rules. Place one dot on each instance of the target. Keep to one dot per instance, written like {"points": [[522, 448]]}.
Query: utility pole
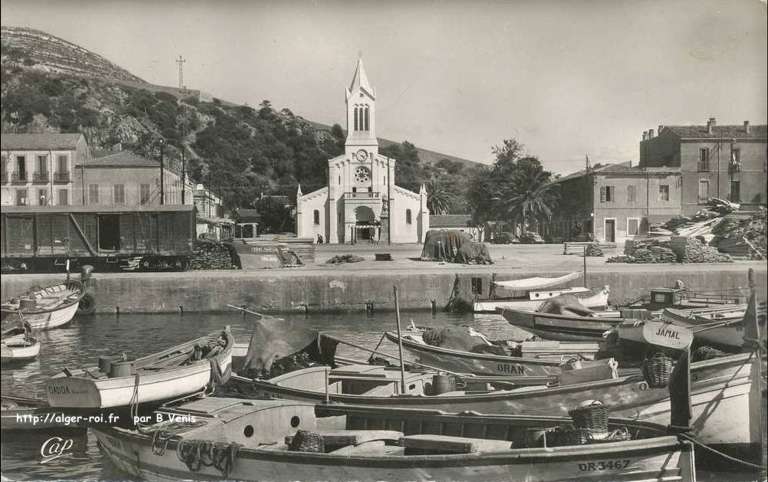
{"points": [[389, 204], [162, 171], [183, 166], [181, 62]]}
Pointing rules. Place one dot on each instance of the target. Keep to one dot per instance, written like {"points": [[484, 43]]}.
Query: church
{"points": [[362, 202]]}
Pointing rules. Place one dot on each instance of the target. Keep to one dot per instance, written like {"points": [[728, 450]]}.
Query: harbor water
{"points": [[85, 339]]}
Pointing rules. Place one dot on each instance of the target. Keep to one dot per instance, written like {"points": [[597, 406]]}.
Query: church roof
{"points": [[360, 80]]}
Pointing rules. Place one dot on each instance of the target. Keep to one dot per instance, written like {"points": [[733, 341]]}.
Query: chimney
{"points": [[712, 122], [661, 126], [645, 135], [650, 133], [746, 126]]}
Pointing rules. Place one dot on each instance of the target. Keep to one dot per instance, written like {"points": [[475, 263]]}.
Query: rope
{"points": [[204, 453], [134, 403], [721, 454]]}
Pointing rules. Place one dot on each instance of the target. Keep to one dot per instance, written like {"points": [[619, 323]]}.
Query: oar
{"points": [[251, 312]]}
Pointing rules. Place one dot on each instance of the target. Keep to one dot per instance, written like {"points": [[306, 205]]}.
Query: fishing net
{"points": [[205, 453], [454, 246], [460, 339]]}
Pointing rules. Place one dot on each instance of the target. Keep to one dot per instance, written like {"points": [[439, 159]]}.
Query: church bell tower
{"points": [[361, 140]]}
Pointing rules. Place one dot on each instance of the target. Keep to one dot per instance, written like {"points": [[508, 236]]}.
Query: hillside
{"points": [[51, 85]]}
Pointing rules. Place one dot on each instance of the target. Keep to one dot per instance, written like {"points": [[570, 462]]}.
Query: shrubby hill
{"points": [[240, 152]]}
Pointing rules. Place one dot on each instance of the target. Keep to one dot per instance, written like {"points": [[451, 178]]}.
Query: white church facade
{"points": [[362, 201]]}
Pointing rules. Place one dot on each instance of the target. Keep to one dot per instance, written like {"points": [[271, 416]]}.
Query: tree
{"points": [[439, 199], [530, 194], [275, 216]]}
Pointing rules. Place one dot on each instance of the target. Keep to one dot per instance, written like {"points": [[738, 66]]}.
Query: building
{"points": [[211, 221], [362, 200], [728, 162], [37, 169], [615, 202], [127, 179], [247, 226]]}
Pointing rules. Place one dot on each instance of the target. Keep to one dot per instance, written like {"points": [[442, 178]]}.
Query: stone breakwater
{"points": [[351, 289]]}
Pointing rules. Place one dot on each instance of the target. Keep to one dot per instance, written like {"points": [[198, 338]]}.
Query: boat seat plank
{"points": [[370, 447], [452, 444], [340, 438]]}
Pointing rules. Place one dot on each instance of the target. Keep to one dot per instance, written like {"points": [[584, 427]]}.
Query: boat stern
{"points": [[72, 392]]}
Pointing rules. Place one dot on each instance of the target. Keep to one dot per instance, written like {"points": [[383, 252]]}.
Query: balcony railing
{"points": [[40, 177], [19, 178], [61, 177], [363, 195]]}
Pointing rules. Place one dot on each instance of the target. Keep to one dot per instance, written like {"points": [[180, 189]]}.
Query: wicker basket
{"points": [[657, 369], [591, 415], [568, 435]]}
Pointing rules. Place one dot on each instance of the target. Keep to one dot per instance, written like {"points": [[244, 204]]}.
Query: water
{"points": [[84, 340]]}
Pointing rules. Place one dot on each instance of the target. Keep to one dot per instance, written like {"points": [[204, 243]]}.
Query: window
{"points": [[93, 193], [63, 197], [735, 195], [144, 193], [703, 190], [703, 159], [316, 216], [737, 154], [408, 219], [354, 189], [42, 165], [62, 164], [119, 194], [631, 194], [367, 125], [42, 196], [633, 226], [21, 170], [606, 194], [21, 197], [664, 192]]}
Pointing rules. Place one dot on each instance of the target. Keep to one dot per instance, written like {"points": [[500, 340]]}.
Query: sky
{"points": [[566, 78]]}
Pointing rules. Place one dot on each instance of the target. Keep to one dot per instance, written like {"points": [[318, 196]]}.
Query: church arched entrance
{"points": [[365, 223]]}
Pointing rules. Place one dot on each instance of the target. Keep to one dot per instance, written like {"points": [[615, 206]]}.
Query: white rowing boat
{"points": [[537, 283], [18, 346], [535, 299], [179, 371], [45, 308]]}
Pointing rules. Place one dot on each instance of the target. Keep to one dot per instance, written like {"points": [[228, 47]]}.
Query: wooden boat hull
{"points": [[649, 458], [17, 349], [719, 386], [477, 363], [730, 337], [561, 327], [47, 319], [537, 283], [86, 392], [593, 301]]}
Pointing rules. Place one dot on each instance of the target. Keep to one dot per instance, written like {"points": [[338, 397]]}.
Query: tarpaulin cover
{"points": [[463, 339], [454, 246], [565, 305], [274, 339]]}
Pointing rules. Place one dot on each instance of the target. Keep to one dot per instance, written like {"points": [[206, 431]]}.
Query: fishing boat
{"points": [[561, 327], [45, 308], [535, 299], [721, 327], [17, 345], [721, 400], [277, 440], [543, 358], [179, 371], [537, 283]]}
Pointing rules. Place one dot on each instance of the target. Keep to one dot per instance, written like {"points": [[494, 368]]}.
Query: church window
{"points": [[408, 219], [366, 127], [356, 125], [317, 216]]}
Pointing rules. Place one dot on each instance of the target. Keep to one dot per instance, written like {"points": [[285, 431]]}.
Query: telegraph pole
{"points": [[389, 204], [181, 62], [162, 172]]}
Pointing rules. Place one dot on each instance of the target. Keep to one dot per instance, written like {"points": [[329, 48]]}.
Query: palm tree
{"points": [[530, 194], [439, 199]]}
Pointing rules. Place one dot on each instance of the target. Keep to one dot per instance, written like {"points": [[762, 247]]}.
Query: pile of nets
{"points": [[454, 246], [593, 250], [210, 254], [677, 250], [345, 258]]}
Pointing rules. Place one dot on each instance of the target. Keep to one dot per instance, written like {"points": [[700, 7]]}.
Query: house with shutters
{"points": [[37, 169]]}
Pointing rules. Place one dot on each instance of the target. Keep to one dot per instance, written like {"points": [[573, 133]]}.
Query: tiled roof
{"points": [[122, 159], [450, 220], [39, 141], [724, 131], [620, 168], [248, 215]]}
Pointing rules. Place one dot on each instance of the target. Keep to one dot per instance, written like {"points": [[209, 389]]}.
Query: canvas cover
{"points": [[460, 338], [565, 305], [276, 339], [454, 246]]}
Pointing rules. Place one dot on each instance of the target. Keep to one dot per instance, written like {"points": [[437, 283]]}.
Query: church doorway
{"points": [[365, 224]]}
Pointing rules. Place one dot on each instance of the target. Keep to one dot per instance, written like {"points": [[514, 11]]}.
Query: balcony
{"points": [[19, 178], [61, 177], [362, 195], [40, 178]]}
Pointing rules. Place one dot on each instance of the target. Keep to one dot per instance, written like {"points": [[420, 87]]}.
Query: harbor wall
{"points": [[275, 291]]}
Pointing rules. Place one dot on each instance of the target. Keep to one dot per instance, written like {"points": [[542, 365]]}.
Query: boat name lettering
{"points": [[509, 368], [604, 465], [668, 333], [59, 389]]}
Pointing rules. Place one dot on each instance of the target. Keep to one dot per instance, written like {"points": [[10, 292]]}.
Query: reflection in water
{"points": [[85, 339]]}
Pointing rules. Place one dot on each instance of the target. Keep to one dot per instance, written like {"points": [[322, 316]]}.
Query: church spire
{"points": [[360, 80]]}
